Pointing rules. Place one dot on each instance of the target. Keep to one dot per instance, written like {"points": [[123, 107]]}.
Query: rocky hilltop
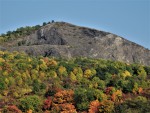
{"points": [[65, 40]]}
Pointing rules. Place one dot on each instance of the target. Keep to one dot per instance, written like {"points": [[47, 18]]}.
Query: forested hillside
{"points": [[41, 84]]}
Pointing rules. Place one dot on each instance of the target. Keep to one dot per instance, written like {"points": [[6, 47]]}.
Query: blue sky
{"points": [[127, 18]]}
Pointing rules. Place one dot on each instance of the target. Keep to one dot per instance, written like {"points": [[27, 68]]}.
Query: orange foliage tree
{"points": [[117, 96], [94, 106], [13, 109], [65, 96], [64, 108], [63, 102]]}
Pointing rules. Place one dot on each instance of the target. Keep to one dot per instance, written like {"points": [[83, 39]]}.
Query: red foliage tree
{"points": [[109, 90], [47, 103]]}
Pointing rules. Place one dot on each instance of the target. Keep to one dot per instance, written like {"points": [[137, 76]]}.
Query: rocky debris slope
{"points": [[65, 40]]}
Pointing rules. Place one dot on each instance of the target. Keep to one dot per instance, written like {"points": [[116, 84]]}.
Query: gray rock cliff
{"points": [[65, 40]]}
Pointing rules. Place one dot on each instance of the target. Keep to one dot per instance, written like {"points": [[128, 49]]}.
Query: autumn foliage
{"points": [[52, 85], [47, 103], [106, 106], [94, 106], [65, 96], [13, 109]]}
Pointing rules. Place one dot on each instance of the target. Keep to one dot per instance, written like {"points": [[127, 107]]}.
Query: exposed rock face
{"points": [[61, 39]]}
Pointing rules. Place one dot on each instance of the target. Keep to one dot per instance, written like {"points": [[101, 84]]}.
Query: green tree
{"points": [[37, 86], [2, 84], [142, 73], [30, 102], [97, 83], [81, 99], [44, 23], [106, 106]]}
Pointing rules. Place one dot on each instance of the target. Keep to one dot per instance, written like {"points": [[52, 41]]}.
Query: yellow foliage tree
{"points": [[43, 65], [29, 111], [87, 73], [78, 73], [61, 70], [5, 73], [52, 63], [19, 80], [1, 53], [52, 74], [2, 60], [72, 77], [6, 81], [126, 74]]}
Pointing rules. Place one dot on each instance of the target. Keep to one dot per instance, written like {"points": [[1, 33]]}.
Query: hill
{"points": [[61, 39]]}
